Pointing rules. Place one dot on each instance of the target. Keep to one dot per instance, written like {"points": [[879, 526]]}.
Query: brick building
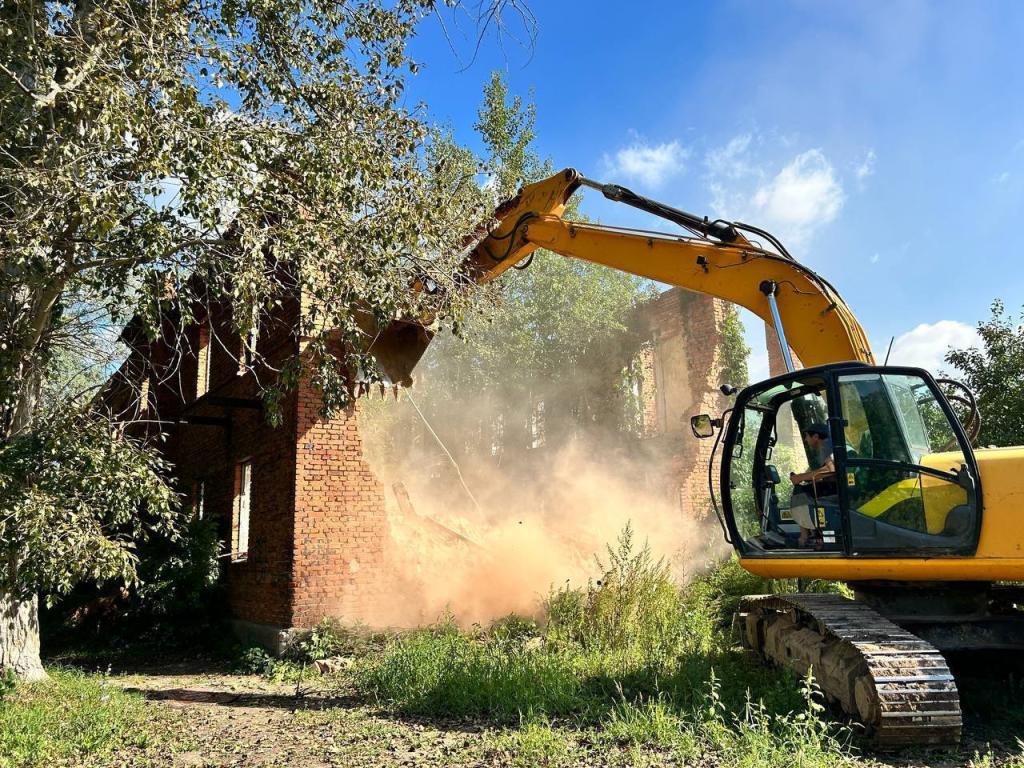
{"points": [[300, 511]]}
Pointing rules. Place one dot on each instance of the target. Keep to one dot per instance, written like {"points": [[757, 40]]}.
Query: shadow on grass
{"points": [[190, 696]]}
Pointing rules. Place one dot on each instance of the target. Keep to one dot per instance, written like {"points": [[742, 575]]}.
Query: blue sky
{"points": [[884, 142]]}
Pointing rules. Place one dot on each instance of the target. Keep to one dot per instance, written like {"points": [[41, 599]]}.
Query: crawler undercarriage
{"points": [[886, 671]]}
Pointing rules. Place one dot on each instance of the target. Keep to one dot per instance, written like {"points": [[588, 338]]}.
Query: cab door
{"points": [[910, 480]]}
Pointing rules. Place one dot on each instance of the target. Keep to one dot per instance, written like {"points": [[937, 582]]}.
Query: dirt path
{"points": [[212, 718], [218, 719]]}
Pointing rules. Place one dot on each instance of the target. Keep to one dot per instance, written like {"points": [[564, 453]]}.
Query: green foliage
{"points": [[178, 579], [262, 147], [440, 669], [253, 660], [994, 371], [634, 607], [331, 637], [536, 743], [68, 718], [647, 722], [76, 494], [735, 352], [508, 130]]}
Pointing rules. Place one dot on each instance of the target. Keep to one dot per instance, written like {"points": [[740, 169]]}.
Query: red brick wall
{"points": [[340, 519], [689, 326], [260, 588]]}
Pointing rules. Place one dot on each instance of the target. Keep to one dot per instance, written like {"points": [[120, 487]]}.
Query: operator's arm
{"points": [[826, 469]]}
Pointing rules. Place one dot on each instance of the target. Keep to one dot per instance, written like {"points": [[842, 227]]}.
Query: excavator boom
{"points": [[717, 260], [819, 325]]}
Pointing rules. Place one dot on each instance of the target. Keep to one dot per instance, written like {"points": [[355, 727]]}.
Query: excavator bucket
{"points": [[398, 347]]}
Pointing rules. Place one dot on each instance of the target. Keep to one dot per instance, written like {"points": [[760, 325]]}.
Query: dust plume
{"points": [[495, 534]]}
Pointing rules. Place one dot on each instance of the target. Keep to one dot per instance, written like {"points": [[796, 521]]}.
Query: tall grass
{"points": [[632, 655]]}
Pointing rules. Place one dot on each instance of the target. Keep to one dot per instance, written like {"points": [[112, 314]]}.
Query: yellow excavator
{"points": [[926, 530]]}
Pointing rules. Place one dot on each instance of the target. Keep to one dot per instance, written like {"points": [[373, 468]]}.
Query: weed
{"points": [[332, 638], [652, 722], [253, 660], [537, 743], [634, 606]]}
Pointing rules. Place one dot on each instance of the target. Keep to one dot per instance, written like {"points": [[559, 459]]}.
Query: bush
{"points": [[634, 607], [332, 638], [179, 601]]}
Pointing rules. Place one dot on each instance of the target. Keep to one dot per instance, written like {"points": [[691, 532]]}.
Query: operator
{"points": [[818, 480]]}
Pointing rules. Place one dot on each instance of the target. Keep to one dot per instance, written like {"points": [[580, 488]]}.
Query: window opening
{"points": [[240, 526], [199, 499], [203, 378]]}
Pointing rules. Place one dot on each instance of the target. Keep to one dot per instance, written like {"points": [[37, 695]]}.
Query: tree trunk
{"points": [[19, 637], [19, 617]]}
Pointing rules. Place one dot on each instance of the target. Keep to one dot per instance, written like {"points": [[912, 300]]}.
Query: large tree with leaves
{"points": [[182, 152], [994, 371]]}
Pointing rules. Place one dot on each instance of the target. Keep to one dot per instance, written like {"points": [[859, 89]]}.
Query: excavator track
{"points": [[893, 682]]}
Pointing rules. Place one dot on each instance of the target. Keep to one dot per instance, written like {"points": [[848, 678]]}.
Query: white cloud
{"points": [[650, 165], [791, 203], [926, 345], [867, 167], [732, 160], [803, 194]]}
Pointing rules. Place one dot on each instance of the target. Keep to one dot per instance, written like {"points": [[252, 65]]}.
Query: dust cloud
{"points": [[483, 532]]}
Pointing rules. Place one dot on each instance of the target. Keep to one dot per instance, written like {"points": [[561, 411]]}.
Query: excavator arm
{"points": [[717, 260]]}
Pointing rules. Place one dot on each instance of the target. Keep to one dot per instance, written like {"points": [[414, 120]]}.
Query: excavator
{"points": [[926, 530]]}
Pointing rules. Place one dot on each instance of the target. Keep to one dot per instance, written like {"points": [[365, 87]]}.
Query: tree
{"points": [[162, 156], [994, 371], [557, 324], [75, 496]]}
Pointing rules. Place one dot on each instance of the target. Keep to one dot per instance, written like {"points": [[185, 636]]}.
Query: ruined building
{"points": [[301, 514]]}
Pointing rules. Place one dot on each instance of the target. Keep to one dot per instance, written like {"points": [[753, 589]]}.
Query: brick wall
{"points": [[340, 519], [686, 333], [318, 526]]}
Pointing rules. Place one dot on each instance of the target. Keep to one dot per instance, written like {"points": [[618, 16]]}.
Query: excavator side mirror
{"points": [[703, 426]]}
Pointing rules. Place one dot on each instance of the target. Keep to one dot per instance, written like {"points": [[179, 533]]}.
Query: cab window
{"points": [[906, 474]]}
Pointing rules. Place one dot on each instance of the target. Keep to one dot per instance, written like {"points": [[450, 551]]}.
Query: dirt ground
{"points": [[211, 718], [208, 717]]}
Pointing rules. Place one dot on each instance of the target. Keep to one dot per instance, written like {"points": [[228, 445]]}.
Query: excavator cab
{"points": [[905, 481]]}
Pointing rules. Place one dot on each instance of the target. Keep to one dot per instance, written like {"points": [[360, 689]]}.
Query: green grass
{"points": [[68, 717], [632, 659]]}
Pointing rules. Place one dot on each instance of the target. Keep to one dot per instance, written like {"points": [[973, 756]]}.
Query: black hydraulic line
{"points": [[767, 236], [725, 232], [721, 230]]}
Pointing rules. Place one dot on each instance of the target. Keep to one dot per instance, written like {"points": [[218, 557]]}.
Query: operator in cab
{"points": [[817, 481]]}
